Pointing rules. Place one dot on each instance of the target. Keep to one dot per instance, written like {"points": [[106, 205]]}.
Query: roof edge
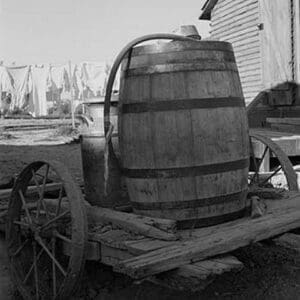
{"points": [[207, 8]]}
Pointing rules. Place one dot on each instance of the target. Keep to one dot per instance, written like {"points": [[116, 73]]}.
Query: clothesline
{"points": [[29, 86]]}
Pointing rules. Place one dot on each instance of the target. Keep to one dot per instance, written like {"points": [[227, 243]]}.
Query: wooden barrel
{"points": [[183, 132]]}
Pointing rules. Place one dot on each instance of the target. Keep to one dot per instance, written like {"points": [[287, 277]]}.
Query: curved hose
{"points": [[120, 57], [111, 79]]}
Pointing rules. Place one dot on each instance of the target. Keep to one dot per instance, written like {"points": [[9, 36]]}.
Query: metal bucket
{"points": [[92, 152]]}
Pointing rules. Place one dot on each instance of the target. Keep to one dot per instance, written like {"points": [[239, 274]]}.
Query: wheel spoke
{"points": [[252, 178], [62, 237], [262, 158], [256, 170], [35, 271], [25, 207], [53, 267], [38, 188], [59, 201], [41, 192], [22, 223], [273, 174], [39, 240], [20, 248], [55, 219], [45, 179], [32, 266], [257, 167]]}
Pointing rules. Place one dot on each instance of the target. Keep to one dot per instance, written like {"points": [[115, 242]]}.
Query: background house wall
{"points": [[266, 39]]}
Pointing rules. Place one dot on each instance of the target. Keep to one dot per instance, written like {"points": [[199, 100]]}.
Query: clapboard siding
{"points": [[234, 27], [238, 31], [235, 13], [226, 8], [252, 83], [236, 22], [234, 19]]}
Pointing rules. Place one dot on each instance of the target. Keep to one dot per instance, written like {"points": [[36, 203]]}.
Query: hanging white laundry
{"points": [[6, 82], [58, 78], [93, 76], [78, 82], [6, 86], [21, 86], [37, 99]]}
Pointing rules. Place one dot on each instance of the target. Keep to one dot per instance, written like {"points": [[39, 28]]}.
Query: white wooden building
{"points": [[266, 38]]}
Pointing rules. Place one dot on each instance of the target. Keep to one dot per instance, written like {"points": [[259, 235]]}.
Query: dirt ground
{"points": [[270, 272]]}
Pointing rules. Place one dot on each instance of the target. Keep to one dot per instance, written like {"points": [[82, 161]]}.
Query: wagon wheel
{"points": [[285, 167], [41, 231]]}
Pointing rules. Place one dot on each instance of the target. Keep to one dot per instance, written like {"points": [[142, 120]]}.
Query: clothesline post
{"points": [[72, 95]]}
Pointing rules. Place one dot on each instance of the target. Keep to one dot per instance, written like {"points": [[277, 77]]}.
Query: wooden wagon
{"points": [[51, 230]]}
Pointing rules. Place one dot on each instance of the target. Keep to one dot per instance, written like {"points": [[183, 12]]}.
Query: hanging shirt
{"points": [[37, 99], [21, 86]]}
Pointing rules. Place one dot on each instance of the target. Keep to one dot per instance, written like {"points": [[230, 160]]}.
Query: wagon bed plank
{"points": [[193, 277], [216, 240], [117, 245], [140, 246]]}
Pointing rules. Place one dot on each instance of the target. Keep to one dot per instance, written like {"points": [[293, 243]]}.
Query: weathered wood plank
{"points": [[224, 240], [117, 245], [151, 227], [141, 246], [286, 127], [267, 193], [291, 121]]}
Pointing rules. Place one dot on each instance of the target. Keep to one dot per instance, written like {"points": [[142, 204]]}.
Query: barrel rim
{"points": [[181, 46]]}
